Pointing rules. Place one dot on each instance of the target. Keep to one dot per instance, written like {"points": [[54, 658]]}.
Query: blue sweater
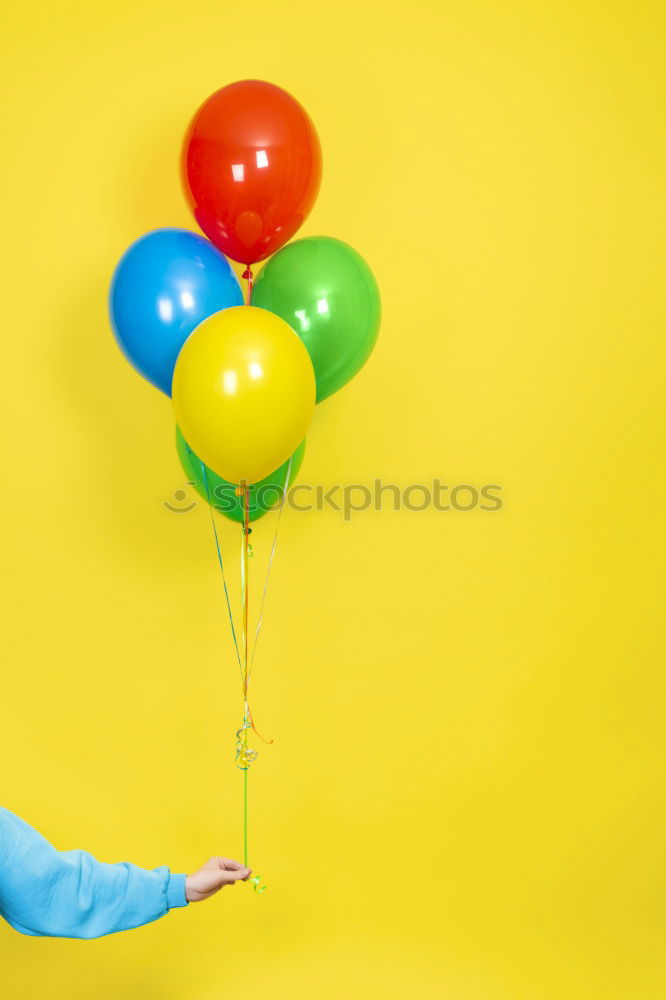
{"points": [[52, 893]]}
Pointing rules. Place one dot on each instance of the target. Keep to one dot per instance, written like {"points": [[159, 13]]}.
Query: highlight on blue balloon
{"points": [[167, 283]]}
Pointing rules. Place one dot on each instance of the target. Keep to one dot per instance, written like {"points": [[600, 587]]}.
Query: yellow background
{"points": [[465, 795]]}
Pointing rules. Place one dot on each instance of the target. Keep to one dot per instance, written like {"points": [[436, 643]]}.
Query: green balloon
{"points": [[328, 295], [264, 495]]}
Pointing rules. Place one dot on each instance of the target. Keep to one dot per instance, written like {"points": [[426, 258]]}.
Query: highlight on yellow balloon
{"points": [[244, 392]]}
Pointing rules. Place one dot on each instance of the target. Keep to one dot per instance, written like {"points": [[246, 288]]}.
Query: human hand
{"points": [[210, 878]]}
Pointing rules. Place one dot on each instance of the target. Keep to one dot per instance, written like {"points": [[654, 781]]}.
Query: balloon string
{"points": [[247, 672], [255, 881], [245, 755], [249, 277], [268, 571], [245, 818], [219, 559], [244, 579]]}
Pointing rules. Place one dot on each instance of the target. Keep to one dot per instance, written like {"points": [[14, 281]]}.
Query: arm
{"points": [[70, 894]]}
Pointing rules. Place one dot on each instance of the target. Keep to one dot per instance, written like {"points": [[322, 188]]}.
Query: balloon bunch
{"points": [[244, 378]]}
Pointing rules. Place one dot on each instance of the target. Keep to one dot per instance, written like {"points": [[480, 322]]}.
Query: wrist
{"points": [[176, 894]]}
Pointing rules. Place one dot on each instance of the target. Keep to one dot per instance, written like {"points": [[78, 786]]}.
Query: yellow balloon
{"points": [[244, 392]]}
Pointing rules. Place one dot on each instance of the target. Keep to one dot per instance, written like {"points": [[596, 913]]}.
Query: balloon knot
{"points": [[247, 273]]}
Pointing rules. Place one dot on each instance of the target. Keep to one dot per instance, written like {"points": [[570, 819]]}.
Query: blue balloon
{"points": [[167, 283]]}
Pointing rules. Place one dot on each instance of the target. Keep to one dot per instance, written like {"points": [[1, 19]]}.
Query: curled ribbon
{"points": [[245, 755], [257, 884]]}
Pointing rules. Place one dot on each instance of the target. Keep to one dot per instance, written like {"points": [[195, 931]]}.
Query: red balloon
{"points": [[251, 168]]}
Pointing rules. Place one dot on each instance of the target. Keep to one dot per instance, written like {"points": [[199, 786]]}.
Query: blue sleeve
{"points": [[44, 892]]}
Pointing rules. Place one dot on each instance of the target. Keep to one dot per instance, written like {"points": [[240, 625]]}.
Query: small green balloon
{"points": [[264, 495], [328, 295]]}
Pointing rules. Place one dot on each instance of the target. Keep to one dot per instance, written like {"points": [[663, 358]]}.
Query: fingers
{"points": [[229, 871], [228, 864]]}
